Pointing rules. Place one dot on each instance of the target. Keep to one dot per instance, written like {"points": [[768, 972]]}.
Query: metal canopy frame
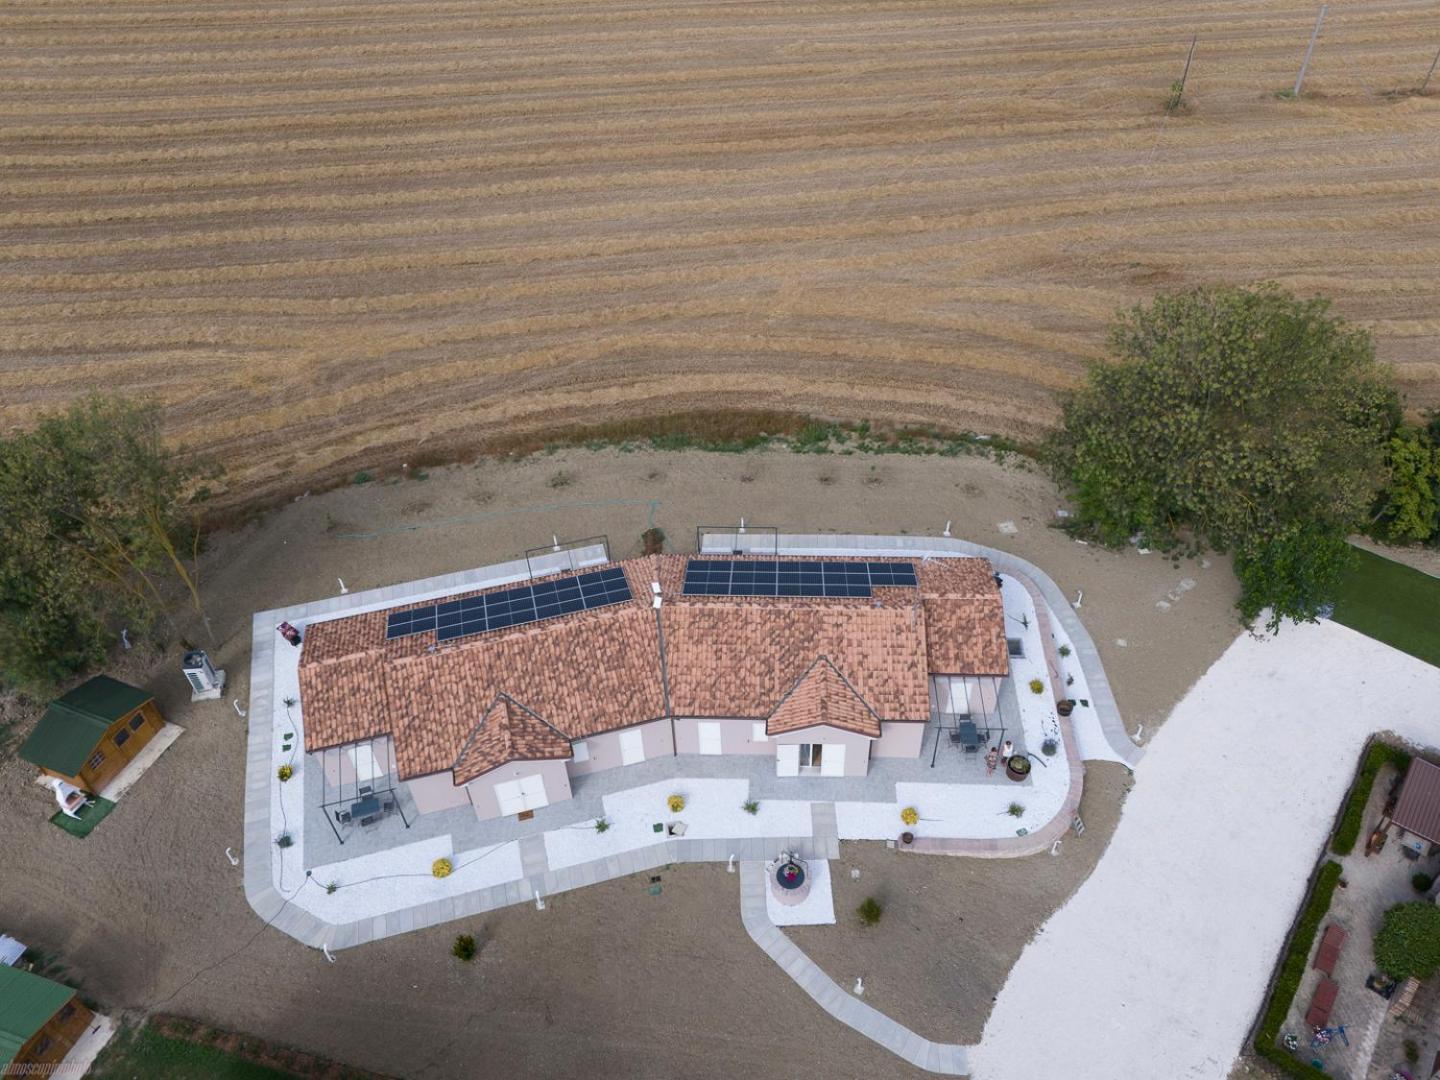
{"points": [[741, 539], [566, 548], [347, 776], [991, 725]]}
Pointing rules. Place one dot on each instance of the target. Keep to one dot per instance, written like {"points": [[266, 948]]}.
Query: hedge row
{"points": [[1292, 970], [1348, 831]]}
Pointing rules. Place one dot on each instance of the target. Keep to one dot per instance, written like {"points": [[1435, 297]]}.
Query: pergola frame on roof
{"points": [[739, 539], [352, 771], [564, 548]]}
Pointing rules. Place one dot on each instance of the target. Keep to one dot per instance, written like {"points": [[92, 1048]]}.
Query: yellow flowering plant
{"points": [[442, 868], [676, 803], [910, 816]]}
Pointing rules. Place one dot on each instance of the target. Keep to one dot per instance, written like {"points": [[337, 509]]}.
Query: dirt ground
{"points": [[952, 928], [148, 913], [340, 234]]}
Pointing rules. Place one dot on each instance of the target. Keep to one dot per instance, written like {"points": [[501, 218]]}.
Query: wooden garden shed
{"points": [[94, 731], [40, 1020]]}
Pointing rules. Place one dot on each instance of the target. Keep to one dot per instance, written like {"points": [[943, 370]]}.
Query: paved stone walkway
{"points": [[948, 1058]]}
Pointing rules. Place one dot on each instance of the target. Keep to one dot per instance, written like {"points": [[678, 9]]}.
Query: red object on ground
{"points": [[1322, 1003], [1329, 951]]}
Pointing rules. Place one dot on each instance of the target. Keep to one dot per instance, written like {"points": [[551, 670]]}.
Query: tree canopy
{"points": [[1409, 941], [98, 521], [1245, 420]]}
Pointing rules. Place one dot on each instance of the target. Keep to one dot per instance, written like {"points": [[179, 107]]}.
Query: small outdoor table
{"points": [[969, 734], [365, 808]]}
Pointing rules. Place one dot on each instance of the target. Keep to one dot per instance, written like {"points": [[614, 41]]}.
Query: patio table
{"points": [[365, 808], [969, 735]]}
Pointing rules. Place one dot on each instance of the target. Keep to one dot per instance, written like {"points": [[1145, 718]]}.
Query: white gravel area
{"points": [[714, 810], [400, 877], [817, 909], [1157, 965]]}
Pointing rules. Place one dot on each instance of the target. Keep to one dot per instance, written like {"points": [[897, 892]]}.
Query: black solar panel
{"points": [[512, 607], [774, 577]]}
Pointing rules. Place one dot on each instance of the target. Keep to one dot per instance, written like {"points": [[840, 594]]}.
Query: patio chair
{"points": [[342, 816]]}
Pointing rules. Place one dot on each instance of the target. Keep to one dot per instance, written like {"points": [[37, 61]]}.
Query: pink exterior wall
{"points": [[437, 792], [857, 747], [898, 740], [482, 788], [736, 737], [605, 749]]}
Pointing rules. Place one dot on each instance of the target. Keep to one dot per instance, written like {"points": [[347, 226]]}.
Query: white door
{"points": [[532, 789], [832, 762], [517, 796], [709, 738], [510, 798], [632, 747], [787, 759]]}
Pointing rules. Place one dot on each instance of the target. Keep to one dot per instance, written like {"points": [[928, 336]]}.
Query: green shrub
{"points": [[1409, 940], [464, 947], [1292, 970], [1421, 882], [1036, 686], [870, 911], [1412, 1051], [1348, 831], [750, 806], [1016, 810], [362, 477], [601, 825]]}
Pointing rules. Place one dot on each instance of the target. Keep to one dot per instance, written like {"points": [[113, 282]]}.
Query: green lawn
{"points": [[1394, 604], [144, 1052], [89, 817]]}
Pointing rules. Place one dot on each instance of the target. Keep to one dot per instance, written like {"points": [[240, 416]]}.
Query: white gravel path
{"points": [[714, 810], [1157, 965]]}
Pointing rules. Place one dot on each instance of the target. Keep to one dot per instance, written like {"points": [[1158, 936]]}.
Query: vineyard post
{"points": [[1426, 83]]}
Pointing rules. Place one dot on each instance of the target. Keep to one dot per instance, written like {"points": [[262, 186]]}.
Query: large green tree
{"points": [[1245, 420], [98, 528], [1409, 941], [1410, 504]]}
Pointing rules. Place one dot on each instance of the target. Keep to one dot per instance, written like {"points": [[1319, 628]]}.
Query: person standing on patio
{"points": [[992, 759]]}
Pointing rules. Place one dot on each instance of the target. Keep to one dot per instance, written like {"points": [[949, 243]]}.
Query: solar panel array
{"points": [[512, 607], [771, 577]]}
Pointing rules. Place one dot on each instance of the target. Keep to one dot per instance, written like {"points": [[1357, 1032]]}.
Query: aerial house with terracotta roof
{"points": [[498, 698]]}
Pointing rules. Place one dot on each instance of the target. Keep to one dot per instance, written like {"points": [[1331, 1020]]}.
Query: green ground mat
{"points": [[1390, 602], [89, 818]]}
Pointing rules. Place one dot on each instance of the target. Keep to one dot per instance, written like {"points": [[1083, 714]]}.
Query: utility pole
{"points": [[1309, 49], [1177, 90], [1426, 83]]}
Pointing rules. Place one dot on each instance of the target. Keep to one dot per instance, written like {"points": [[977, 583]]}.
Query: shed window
{"points": [[122, 737], [137, 721], [65, 1013], [1016, 646], [95, 759]]}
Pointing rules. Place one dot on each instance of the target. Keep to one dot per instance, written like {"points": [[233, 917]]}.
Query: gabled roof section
{"points": [[964, 617], [507, 732], [27, 1002], [1418, 809], [823, 696], [74, 724]]}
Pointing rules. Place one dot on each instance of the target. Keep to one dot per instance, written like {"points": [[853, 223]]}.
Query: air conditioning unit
{"points": [[206, 683]]}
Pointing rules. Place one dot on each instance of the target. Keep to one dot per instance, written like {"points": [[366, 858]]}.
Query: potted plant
{"points": [[676, 803], [1066, 707], [1017, 767], [1036, 686], [1048, 747], [907, 838]]}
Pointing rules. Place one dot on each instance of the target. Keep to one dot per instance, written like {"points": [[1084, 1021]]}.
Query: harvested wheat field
{"points": [[341, 234]]}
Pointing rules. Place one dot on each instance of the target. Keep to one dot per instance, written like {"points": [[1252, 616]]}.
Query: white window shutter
{"points": [[832, 761], [787, 760], [757, 733]]}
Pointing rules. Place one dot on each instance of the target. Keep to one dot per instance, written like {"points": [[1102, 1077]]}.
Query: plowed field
{"points": [[339, 234]]}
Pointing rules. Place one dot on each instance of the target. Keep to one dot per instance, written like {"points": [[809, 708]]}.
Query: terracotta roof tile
{"points": [[508, 732], [823, 696], [596, 671]]}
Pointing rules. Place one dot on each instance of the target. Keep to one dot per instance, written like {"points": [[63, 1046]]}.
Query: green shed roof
{"points": [[27, 1002], [72, 726]]}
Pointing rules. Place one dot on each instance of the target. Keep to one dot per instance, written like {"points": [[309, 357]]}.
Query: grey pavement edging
{"points": [[950, 1059]]}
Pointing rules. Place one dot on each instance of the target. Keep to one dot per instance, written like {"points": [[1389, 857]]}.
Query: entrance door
{"points": [[532, 790], [709, 738], [812, 757], [632, 747], [834, 763]]}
